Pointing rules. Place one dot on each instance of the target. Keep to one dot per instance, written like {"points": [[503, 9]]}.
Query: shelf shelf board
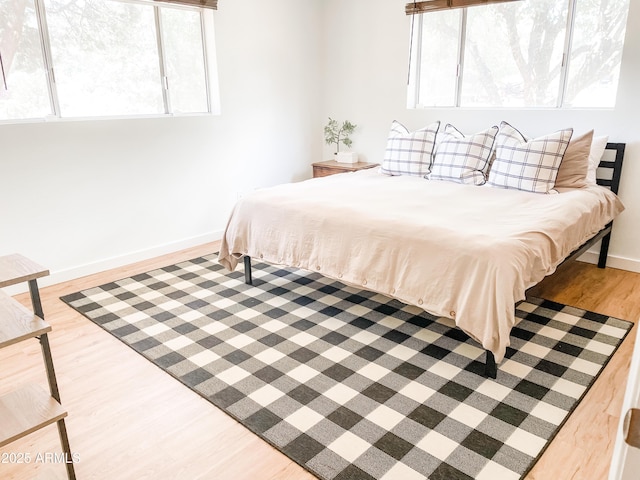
{"points": [[18, 323], [17, 268], [25, 411]]}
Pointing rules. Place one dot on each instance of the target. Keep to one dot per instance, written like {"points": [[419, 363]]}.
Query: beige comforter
{"points": [[463, 252]]}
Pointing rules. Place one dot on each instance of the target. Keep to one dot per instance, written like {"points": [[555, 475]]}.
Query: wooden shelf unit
{"points": [[29, 408]]}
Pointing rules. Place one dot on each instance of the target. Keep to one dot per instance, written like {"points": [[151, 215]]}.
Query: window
{"points": [[183, 57], [83, 58], [543, 53], [26, 94]]}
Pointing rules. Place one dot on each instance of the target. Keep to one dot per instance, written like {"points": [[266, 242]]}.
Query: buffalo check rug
{"points": [[351, 384]]}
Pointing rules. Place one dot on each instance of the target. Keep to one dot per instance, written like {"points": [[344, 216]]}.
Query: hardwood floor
{"points": [[129, 420]]}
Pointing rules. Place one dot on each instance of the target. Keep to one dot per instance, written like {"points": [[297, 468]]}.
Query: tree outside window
{"points": [[543, 53]]}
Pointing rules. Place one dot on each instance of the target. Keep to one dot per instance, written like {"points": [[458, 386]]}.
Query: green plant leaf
{"points": [[334, 133]]}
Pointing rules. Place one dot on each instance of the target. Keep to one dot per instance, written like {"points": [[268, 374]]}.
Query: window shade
{"points": [[415, 8], [212, 4]]}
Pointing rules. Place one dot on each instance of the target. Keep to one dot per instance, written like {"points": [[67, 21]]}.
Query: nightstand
{"points": [[331, 167]]}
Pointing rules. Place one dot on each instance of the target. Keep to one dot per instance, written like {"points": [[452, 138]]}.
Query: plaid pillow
{"points": [[529, 165], [409, 153], [463, 159]]}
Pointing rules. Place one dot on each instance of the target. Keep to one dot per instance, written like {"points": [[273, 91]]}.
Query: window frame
{"points": [[209, 60], [415, 55]]}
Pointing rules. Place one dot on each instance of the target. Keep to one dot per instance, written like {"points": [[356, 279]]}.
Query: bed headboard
{"points": [[610, 167], [607, 175]]}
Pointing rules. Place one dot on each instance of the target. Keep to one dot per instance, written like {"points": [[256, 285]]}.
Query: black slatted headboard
{"points": [[607, 175], [613, 166]]}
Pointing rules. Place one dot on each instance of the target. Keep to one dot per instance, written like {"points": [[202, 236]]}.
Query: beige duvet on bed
{"points": [[459, 251]]}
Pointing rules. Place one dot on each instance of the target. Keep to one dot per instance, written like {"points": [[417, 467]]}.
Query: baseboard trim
{"points": [[117, 261], [620, 263]]}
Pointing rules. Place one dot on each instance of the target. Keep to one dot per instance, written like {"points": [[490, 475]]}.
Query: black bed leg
{"points": [[604, 250], [490, 368], [247, 270]]}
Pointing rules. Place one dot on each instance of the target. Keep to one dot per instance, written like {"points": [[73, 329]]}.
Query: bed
{"points": [[459, 251]]}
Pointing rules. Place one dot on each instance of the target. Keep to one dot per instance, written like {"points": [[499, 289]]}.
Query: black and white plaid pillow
{"points": [[409, 153], [529, 165], [463, 159]]}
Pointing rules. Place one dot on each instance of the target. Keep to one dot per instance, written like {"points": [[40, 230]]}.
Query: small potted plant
{"points": [[336, 133]]}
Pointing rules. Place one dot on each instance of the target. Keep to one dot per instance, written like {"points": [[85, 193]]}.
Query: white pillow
{"points": [[463, 159], [409, 153], [595, 155], [529, 165]]}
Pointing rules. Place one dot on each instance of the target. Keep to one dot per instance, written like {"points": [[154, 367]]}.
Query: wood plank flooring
{"points": [[129, 420]]}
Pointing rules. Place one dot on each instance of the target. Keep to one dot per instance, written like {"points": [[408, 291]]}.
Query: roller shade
{"points": [[212, 4], [415, 8]]}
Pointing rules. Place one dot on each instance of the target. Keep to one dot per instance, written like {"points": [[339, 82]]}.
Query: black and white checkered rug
{"points": [[354, 385]]}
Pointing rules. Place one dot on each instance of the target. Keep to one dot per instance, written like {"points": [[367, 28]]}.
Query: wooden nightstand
{"points": [[331, 167]]}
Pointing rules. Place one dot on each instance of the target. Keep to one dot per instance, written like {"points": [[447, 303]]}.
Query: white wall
{"points": [[82, 196], [367, 44]]}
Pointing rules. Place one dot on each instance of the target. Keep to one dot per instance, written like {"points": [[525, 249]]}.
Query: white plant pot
{"points": [[347, 157]]}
